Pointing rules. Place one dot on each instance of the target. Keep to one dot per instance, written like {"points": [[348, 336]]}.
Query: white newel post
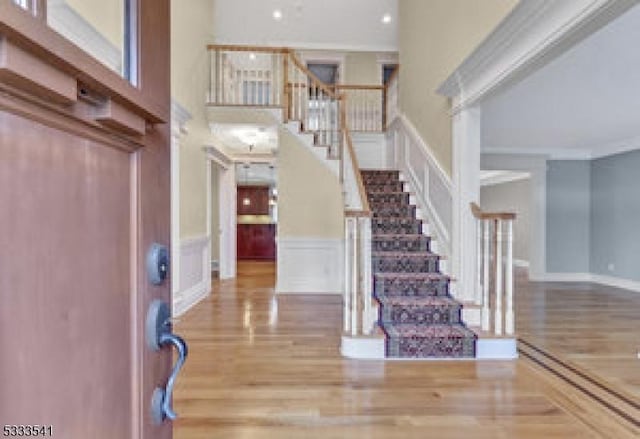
{"points": [[466, 186]]}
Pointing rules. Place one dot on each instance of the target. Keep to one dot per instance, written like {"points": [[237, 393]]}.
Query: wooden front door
{"points": [[84, 192]]}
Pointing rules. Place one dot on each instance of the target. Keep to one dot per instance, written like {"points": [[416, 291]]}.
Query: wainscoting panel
{"points": [[195, 274], [309, 266], [371, 150]]}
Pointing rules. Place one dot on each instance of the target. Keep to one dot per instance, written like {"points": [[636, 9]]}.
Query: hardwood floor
{"points": [[266, 366], [592, 327]]}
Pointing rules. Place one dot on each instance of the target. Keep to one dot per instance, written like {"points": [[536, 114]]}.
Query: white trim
{"points": [[179, 118], [309, 265], [590, 152], [362, 348], [521, 263], [215, 155], [533, 34], [496, 349], [501, 177], [611, 281], [195, 274]]}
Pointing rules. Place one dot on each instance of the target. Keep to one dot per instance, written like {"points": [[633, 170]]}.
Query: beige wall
{"points": [[309, 195], [514, 196], [106, 16], [191, 30], [362, 68], [434, 38]]}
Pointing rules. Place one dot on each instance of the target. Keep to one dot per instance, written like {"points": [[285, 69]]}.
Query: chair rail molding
{"points": [[532, 35]]}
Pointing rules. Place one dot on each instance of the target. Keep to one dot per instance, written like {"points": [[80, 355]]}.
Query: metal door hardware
{"points": [[159, 334]]}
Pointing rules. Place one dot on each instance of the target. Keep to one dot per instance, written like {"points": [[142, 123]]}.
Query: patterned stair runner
{"points": [[417, 314]]}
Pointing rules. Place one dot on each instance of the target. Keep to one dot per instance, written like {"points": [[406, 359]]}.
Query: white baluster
{"points": [[498, 287], [485, 277], [509, 314]]}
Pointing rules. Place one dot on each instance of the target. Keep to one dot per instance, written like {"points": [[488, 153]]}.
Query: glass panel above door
{"points": [[99, 27]]}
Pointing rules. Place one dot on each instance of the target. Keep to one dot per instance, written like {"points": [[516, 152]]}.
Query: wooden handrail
{"points": [[235, 48], [482, 215], [317, 82], [366, 209], [358, 87]]}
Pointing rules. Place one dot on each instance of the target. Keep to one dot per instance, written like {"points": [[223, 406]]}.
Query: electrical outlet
{"points": [[611, 267]]}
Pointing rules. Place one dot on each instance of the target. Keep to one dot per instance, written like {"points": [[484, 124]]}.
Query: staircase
{"points": [[419, 317]]}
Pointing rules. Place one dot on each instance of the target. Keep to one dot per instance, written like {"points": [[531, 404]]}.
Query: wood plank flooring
{"points": [[593, 327], [266, 366]]}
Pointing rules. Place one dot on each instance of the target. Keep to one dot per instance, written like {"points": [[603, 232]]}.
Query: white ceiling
{"points": [[310, 24], [584, 104], [237, 138], [256, 174]]}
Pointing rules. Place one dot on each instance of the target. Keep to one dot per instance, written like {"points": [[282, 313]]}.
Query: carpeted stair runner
{"points": [[417, 314]]}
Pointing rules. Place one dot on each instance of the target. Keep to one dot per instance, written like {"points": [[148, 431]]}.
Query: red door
{"points": [[84, 192]]}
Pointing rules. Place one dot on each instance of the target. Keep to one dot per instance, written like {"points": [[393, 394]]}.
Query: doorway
{"points": [[257, 212]]}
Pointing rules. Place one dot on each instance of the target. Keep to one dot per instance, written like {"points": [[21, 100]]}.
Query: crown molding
{"points": [[533, 34], [499, 177], [591, 152]]}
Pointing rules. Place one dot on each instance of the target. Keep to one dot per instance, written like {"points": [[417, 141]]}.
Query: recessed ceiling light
{"points": [[386, 18], [252, 56], [277, 14]]}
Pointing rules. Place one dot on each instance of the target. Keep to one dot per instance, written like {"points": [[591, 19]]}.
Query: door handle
{"points": [[159, 335]]}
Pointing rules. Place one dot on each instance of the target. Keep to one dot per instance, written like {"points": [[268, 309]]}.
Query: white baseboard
{"points": [[362, 348], [521, 263], [496, 349], [195, 274], [610, 281], [309, 266]]}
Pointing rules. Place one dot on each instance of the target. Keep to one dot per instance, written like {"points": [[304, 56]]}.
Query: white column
{"points": [[228, 223], [466, 182]]}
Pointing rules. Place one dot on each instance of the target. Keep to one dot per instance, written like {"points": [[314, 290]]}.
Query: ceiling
{"points": [[584, 104], [309, 24], [256, 174], [247, 139]]}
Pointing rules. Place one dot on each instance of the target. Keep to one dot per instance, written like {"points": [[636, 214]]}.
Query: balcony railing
{"points": [[494, 270]]}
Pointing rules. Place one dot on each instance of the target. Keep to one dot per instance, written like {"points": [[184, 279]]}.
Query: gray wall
{"points": [[615, 215], [568, 216], [514, 196]]}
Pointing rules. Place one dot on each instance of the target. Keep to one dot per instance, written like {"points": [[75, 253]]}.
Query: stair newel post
{"points": [[365, 261], [486, 311], [355, 278], [509, 312], [499, 278]]}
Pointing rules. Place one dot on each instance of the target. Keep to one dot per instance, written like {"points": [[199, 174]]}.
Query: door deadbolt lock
{"points": [[157, 263]]}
